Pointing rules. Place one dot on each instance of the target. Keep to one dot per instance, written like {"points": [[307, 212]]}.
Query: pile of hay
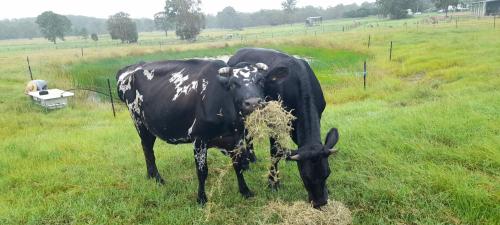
{"points": [[270, 121], [335, 213]]}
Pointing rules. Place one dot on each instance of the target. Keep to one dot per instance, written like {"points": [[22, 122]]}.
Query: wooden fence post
{"points": [[364, 75], [29, 67], [81, 51], [390, 53], [369, 40]]}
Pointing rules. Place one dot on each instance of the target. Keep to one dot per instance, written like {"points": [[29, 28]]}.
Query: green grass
{"points": [[419, 146]]}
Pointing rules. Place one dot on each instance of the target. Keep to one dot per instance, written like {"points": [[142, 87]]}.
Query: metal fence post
{"points": [[111, 98]]}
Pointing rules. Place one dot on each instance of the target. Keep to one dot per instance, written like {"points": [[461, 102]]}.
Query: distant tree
{"points": [[84, 33], [289, 7], [94, 37], [120, 26], [395, 9], [163, 22], [53, 25], [444, 4], [366, 9], [187, 17], [228, 18]]}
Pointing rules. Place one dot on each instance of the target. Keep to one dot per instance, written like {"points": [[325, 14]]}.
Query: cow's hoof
{"points": [[202, 200], [252, 158], [157, 178], [160, 181], [247, 194], [274, 185]]}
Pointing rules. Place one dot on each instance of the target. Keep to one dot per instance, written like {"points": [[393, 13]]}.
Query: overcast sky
{"points": [[138, 8]]}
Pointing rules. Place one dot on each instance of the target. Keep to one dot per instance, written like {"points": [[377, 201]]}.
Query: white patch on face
{"points": [[190, 130], [244, 72], [178, 79], [149, 74]]}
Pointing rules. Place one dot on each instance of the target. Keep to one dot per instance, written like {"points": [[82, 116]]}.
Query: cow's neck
{"points": [[308, 121]]}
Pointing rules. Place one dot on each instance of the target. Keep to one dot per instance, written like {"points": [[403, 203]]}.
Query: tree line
{"points": [[27, 28], [186, 19]]}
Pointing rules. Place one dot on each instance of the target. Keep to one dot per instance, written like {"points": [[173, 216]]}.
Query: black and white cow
{"points": [[293, 81], [193, 101]]}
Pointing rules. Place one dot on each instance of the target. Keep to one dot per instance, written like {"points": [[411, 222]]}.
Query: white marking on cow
{"points": [[190, 130], [135, 106], [135, 110], [178, 79], [149, 74], [244, 72], [127, 73], [125, 85], [204, 84], [200, 155]]}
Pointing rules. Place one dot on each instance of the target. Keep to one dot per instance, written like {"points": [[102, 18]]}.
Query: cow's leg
{"points": [[200, 156], [276, 153], [249, 144], [239, 167], [148, 141]]}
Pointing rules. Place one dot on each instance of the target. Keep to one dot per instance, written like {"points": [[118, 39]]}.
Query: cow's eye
{"points": [[234, 85]]}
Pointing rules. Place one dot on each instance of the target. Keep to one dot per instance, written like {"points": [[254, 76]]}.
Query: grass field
{"points": [[419, 146]]}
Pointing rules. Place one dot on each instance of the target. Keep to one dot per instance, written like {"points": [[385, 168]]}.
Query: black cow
{"points": [[193, 101], [293, 81]]}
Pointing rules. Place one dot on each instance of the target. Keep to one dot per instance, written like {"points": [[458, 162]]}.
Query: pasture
{"points": [[419, 146]]}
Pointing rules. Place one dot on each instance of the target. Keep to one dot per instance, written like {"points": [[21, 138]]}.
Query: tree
{"points": [[120, 26], [163, 22], [289, 6], [84, 33], [94, 37], [53, 25], [187, 17], [444, 4], [395, 9], [228, 18]]}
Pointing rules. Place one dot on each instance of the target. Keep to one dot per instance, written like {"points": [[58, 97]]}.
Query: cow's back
{"points": [[171, 98]]}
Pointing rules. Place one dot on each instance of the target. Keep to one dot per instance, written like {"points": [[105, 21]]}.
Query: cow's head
{"points": [[312, 161], [245, 82]]}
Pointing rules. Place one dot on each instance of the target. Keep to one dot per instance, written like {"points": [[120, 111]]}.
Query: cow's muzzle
{"points": [[249, 105]]}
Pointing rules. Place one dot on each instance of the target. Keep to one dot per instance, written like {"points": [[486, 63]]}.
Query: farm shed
{"points": [[485, 8], [313, 21]]}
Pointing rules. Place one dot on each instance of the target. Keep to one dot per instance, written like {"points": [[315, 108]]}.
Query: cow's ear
{"points": [[331, 138], [278, 74]]}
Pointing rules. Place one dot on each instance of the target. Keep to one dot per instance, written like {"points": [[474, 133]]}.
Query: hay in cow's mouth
{"points": [[270, 121], [334, 213]]}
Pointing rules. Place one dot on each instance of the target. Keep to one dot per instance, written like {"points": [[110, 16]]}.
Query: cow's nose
{"points": [[250, 104]]}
